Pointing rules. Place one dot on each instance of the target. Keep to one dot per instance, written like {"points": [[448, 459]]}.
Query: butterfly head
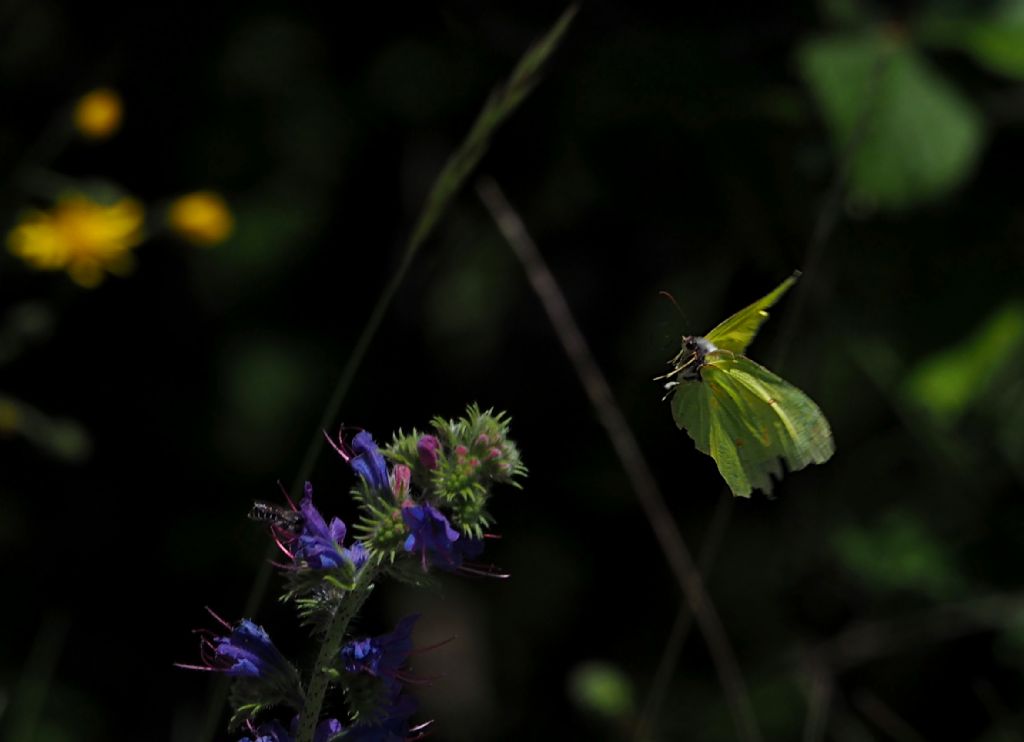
{"points": [[691, 358]]}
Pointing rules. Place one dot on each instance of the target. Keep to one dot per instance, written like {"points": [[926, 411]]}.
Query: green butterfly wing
{"points": [[748, 420], [736, 332]]}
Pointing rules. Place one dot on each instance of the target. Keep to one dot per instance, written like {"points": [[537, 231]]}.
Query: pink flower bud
{"points": [[428, 447], [400, 480]]}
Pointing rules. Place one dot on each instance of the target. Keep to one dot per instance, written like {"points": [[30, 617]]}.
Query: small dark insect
{"points": [[276, 515]]}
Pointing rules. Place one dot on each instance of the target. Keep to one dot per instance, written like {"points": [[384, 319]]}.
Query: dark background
{"points": [[679, 150]]}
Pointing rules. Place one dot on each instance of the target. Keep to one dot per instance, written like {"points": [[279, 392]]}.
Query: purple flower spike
{"points": [[321, 546], [428, 447], [433, 537], [369, 462]]}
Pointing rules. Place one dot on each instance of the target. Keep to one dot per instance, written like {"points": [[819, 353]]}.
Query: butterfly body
{"points": [[692, 357], [748, 419]]}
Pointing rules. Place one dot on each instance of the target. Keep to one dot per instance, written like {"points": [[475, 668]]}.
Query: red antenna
{"points": [[672, 299]]}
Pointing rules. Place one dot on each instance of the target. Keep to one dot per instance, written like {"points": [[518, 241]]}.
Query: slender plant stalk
{"points": [[683, 622], [499, 106], [879, 713], [319, 679], [674, 548]]}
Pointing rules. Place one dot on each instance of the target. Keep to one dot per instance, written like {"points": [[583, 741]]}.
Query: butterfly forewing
{"points": [[736, 332]]}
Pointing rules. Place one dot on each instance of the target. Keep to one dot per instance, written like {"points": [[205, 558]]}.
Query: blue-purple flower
{"points": [[247, 651], [381, 659], [432, 536], [261, 672], [380, 656], [320, 545], [274, 731], [369, 462]]}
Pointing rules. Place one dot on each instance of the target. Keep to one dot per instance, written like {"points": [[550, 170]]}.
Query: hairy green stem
{"points": [[320, 679]]}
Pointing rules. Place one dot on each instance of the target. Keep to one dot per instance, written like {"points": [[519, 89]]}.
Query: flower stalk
{"points": [[329, 649]]}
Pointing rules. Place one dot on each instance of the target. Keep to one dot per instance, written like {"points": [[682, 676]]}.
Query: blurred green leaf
{"points": [[842, 12], [418, 81], [898, 554], [263, 382], [268, 387], [602, 689], [780, 704], [269, 231], [1009, 644], [25, 324], [992, 36], [949, 381], [465, 306], [62, 438], [912, 136]]}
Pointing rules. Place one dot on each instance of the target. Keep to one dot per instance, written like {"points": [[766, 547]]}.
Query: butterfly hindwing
{"points": [[735, 333], [750, 420]]}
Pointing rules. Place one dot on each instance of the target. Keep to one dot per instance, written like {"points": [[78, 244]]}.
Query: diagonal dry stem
{"points": [[628, 450]]}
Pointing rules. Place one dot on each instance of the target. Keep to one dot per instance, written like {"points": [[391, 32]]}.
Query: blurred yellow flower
{"points": [[98, 113], [80, 236], [203, 218]]}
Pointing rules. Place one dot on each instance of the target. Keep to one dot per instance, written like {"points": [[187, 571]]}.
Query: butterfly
{"points": [[740, 413]]}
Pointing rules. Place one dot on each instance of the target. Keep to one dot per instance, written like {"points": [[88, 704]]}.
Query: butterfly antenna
{"points": [[672, 299]]}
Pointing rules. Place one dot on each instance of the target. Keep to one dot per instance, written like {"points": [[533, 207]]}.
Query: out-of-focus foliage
{"points": [[991, 33], [897, 553], [947, 383], [910, 135], [602, 689], [60, 437]]}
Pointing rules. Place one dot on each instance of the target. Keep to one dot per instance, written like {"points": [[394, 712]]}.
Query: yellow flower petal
{"points": [[98, 113], [203, 218], [81, 236]]}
